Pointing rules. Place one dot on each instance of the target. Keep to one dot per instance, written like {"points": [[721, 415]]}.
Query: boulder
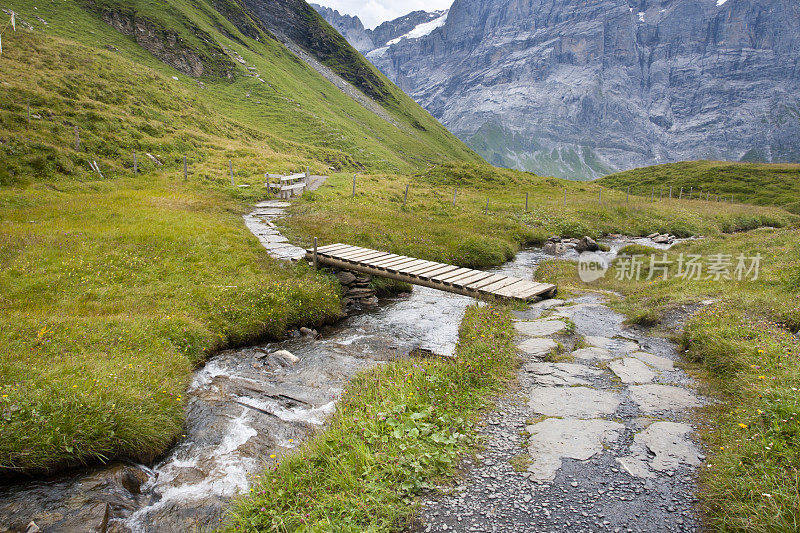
{"points": [[554, 248], [287, 356], [345, 277], [360, 293], [132, 479], [369, 302], [587, 244]]}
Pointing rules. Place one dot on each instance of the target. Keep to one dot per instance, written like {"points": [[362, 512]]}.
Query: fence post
{"points": [[691, 190], [316, 262], [670, 192], [77, 140], [681, 195], [405, 196], [135, 164], [354, 185], [653, 194], [455, 192], [230, 167], [185, 170], [526, 202]]}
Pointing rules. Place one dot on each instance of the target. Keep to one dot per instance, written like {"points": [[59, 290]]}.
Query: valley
{"points": [[163, 368], [580, 90]]}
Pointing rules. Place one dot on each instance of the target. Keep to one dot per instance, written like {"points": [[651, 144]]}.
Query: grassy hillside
{"points": [[749, 183], [77, 70], [115, 286]]}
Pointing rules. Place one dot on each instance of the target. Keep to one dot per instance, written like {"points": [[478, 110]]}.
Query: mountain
{"points": [[350, 27], [412, 25], [271, 79], [581, 88]]}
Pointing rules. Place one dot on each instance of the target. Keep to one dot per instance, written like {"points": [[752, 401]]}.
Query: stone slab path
{"points": [[596, 438], [261, 222]]}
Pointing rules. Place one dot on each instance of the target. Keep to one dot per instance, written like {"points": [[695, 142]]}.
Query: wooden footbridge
{"points": [[465, 281]]}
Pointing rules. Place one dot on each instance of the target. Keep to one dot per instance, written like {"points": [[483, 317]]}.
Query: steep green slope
{"points": [[749, 183], [234, 90]]}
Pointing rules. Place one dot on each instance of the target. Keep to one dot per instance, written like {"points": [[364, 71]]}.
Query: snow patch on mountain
{"points": [[426, 28]]}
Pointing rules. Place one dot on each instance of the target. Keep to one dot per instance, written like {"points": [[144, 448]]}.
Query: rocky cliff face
{"points": [[351, 28], [578, 88], [365, 40], [203, 58]]}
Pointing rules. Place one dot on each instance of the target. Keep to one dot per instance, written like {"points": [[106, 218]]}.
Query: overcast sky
{"points": [[373, 12]]}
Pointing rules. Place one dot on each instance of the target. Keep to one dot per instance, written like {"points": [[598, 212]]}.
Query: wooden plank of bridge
{"points": [[389, 259], [406, 263], [390, 262], [432, 274], [424, 266], [447, 278], [331, 247], [365, 255], [466, 279], [439, 272]]}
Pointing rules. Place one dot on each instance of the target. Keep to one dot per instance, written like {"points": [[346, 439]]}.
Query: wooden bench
{"points": [[287, 186]]}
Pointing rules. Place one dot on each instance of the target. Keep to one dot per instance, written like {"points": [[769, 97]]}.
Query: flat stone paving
{"points": [[261, 223], [600, 443]]}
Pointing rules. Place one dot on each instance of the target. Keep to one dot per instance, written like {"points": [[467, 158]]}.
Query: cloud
{"points": [[373, 12]]}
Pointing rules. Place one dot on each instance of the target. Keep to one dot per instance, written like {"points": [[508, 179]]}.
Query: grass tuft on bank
{"points": [[745, 349], [397, 431]]}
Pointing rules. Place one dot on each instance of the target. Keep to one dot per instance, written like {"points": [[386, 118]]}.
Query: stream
{"points": [[243, 406]]}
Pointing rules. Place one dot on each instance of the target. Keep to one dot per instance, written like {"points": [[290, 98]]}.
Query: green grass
{"points": [[748, 183], [746, 351], [397, 431], [430, 227], [112, 291]]}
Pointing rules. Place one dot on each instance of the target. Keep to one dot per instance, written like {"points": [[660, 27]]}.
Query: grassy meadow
{"points": [[430, 227], [748, 183], [744, 347], [112, 292]]}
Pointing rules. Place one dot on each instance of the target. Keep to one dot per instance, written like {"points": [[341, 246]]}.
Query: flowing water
{"points": [[244, 406]]}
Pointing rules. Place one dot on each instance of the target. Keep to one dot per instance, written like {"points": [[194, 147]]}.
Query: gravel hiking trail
{"points": [[595, 435]]}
